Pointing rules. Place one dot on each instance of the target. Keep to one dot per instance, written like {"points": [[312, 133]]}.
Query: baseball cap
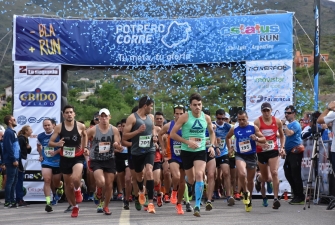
{"points": [[266, 105], [227, 115], [104, 110]]}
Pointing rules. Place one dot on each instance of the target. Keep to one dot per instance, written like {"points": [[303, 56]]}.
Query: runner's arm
{"points": [[163, 131], [182, 119], [127, 134], [54, 136], [228, 138]]}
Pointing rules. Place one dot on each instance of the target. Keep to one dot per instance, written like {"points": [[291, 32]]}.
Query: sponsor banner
{"points": [[268, 81], [33, 180], [323, 165], [152, 41]]}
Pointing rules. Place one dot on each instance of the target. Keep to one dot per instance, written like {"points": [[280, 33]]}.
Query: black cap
{"points": [[266, 105]]}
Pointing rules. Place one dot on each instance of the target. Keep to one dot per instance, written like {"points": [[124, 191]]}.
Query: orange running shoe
{"points": [[237, 196], [75, 211], [141, 197], [78, 195], [179, 209], [174, 197], [166, 198], [151, 208]]}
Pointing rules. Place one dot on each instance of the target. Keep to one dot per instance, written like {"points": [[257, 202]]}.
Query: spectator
{"points": [[2, 165], [24, 133], [11, 157]]}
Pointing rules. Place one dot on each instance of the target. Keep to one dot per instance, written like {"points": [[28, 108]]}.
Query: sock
{"points": [[47, 198], [77, 189], [140, 185], [186, 197], [199, 186], [150, 189]]}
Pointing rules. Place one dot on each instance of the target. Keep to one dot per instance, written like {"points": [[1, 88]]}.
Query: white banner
{"points": [[268, 81], [37, 95]]}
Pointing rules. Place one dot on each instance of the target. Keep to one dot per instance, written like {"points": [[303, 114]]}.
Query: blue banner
{"points": [[153, 41]]}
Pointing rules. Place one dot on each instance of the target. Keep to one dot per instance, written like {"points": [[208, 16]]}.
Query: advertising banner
{"points": [[268, 81], [153, 41], [37, 96]]}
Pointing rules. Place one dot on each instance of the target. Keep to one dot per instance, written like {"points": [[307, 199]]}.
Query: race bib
{"points": [[48, 151], [125, 150], [245, 146], [104, 147], [69, 152], [145, 141], [222, 143], [270, 146], [177, 149], [126, 162], [196, 140], [208, 142]]}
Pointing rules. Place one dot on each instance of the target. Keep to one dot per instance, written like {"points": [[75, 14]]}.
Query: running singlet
{"points": [[173, 147], [48, 160], [72, 146], [243, 143], [270, 134], [221, 132], [142, 143], [102, 145], [122, 155], [194, 129]]}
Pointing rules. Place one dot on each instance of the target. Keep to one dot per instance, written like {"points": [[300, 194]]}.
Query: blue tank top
{"points": [[43, 139], [175, 146], [221, 133], [243, 143]]}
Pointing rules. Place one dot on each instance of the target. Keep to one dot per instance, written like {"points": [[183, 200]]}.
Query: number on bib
{"points": [[48, 151], [177, 149], [270, 145], [245, 146], [69, 152], [104, 147], [222, 143], [196, 140], [145, 141]]}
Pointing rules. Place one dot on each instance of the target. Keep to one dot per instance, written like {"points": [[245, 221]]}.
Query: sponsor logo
{"points": [[197, 127], [39, 70], [33, 176], [265, 68], [21, 120], [35, 190], [38, 98], [249, 30], [261, 98], [248, 131], [177, 33]]}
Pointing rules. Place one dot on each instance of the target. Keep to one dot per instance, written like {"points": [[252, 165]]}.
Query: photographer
{"points": [[311, 129]]}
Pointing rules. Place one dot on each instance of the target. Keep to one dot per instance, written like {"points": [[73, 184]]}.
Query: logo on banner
{"points": [[177, 33], [38, 98], [33, 175], [261, 98], [21, 120], [265, 68], [39, 70]]}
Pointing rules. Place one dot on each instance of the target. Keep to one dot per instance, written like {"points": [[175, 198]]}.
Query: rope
{"points": [[5, 35], [5, 50]]}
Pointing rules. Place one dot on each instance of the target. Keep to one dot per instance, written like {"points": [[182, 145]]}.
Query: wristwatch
{"points": [[213, 146]]}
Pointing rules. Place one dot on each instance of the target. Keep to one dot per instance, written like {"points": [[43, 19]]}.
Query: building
{"points": [[3, 97], [307, 60]]}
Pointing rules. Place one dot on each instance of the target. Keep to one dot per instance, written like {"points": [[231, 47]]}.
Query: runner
{"points": [[172, 150], [73, 138], [268, 153], [49, 158], [193, 153], [246, 136], [105, 141], [141, 130]]}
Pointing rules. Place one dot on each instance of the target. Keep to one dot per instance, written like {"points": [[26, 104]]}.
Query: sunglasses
{"points": [[178, 106], [288, 112], [148, 99]]}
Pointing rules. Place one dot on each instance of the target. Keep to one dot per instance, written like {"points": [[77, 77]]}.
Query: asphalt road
{"points": [[221, 214]]}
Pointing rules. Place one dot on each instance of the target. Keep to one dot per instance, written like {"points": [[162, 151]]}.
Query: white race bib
{"points": [[196, 140], [270, 146], [145, 141], [104, 147], [177, 149], [208, 142], [245, 146], [69, 152], [48, 151], [222, 143]]}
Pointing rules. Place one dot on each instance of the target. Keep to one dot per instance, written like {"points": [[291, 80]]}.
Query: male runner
{"points": [[246, 136], [141, 130], [193, 149], [268, 154], [105, 142], [73, 139], [49, 157]]}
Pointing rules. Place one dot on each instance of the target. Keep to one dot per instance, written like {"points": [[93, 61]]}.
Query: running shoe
{"points": [[151, 208], [246, 199], [160, 199], [60, 190], [196, 211], [265, 202], [75, 211], [276, 204], [145, 205], [119, 197], [209, 206], [141, 198], [174, 197], [22, 203], [189, 207], [248, 207], [79, 196], [138, 206], [130, 198], [166, 198], [126, 205], [106, 211], [297, 201], [99, 208], [7, 205], [69, 209], [231, 201], [269, 187], [237, 196], [179, 209], [48, 208], [258, 184], [54, 201], [14, 206]]}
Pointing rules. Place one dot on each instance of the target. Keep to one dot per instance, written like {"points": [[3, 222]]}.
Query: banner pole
{"points": [[316, 52]]}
